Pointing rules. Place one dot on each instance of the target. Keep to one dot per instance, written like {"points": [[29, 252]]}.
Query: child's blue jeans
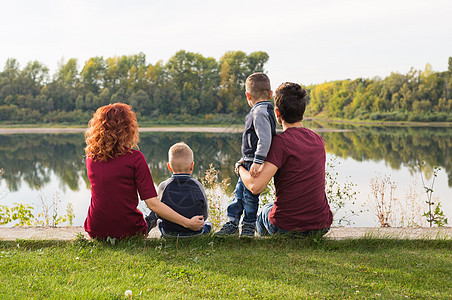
{"points": [[245, 203]]}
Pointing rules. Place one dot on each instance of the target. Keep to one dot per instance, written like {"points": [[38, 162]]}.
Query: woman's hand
{"points": [[196, 223]]}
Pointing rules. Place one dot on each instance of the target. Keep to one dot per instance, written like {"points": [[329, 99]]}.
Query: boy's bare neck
{"points": [[188, 172]]}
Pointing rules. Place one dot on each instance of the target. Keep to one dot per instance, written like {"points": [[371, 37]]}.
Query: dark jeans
{"points": [[265, 227], [245, 203]]}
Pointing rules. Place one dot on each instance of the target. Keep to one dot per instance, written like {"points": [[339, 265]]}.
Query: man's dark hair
{"points": [[290, 100], [258, 85]]}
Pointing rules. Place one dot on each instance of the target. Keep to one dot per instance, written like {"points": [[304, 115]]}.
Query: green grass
{"points": [[269, 268]]}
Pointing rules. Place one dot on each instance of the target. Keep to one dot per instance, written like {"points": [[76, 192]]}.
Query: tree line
{"points": [[191, 88], [186, 86], [415, 96]]}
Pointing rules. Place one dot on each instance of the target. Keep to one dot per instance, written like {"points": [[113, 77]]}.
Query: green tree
{"points": [[92, 74], [32, 78], [140, 102], [256, 61], [65, 87], [234, 69], [68, 73], [8, 79]]}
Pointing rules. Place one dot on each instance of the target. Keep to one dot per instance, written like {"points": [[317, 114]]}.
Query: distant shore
{"points": [[382, 123], [29, 129], [230, 129]]}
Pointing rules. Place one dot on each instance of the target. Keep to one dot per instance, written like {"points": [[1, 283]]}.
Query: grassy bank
{"points": [[274, 268]]}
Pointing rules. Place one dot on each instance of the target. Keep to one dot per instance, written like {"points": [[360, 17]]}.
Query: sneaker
{"points": [[228, 228], [248, 230], [206, 228], [151, 220]]}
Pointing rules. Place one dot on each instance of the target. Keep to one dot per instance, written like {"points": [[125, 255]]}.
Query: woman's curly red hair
{"points": [[112, 131]]}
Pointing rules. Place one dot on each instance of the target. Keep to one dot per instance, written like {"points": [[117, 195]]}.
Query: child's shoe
{"points": [[206, 228], [248, 230], [228, 228]]}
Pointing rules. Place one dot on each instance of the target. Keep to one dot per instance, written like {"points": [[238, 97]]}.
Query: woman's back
{"points": [[114, 184]]}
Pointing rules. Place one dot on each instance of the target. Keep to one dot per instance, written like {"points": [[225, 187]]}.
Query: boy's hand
{"points": [[196, 223], [237, 165], [255, 170]]}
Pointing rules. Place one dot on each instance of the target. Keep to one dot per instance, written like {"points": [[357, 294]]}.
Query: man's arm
{"points": [[257, 184]]}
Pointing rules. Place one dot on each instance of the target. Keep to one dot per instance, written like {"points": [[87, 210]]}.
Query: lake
{"points": [[50, 167]]}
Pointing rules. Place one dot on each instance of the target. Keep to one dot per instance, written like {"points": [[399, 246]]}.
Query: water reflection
{"points": [[396, 146], [31, 158]]}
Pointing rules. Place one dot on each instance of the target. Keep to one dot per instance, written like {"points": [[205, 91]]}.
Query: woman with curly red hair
{"points": [[116, 172]]}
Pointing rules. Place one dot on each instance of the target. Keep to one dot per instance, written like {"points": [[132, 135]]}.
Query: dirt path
{"points": [[338, 233]]}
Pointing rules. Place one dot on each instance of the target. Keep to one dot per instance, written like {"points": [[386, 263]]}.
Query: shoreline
{"points": [[383, 123], [234, 128], [200, 129]]}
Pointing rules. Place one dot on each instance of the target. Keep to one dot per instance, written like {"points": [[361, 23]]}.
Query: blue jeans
{"points": [[265, 227], [245, 203], [205, 229]]}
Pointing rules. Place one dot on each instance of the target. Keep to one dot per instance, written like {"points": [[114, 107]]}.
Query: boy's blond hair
{"points": [[180, 157], [258, 86]]}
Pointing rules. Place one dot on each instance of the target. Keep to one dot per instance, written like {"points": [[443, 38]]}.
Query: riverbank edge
{"points": [[381, 123], [234, 128], [230, 129], [336, 233], [238, 125]]}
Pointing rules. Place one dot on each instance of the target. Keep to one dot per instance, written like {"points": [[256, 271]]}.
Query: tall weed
{"points": [[41, 214], [216, 195], [383, 201], [340, 196], [391, 210], [434, 214]]}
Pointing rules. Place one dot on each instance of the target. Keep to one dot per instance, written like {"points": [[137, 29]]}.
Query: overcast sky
{"points": [[307, 41]]}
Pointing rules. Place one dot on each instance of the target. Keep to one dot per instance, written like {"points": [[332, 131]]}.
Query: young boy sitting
{"points": [[260, 127], [182, 193]]}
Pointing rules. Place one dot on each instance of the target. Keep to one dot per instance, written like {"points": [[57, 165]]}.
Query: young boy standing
{"points": [[182, 193], [260, 127]]}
